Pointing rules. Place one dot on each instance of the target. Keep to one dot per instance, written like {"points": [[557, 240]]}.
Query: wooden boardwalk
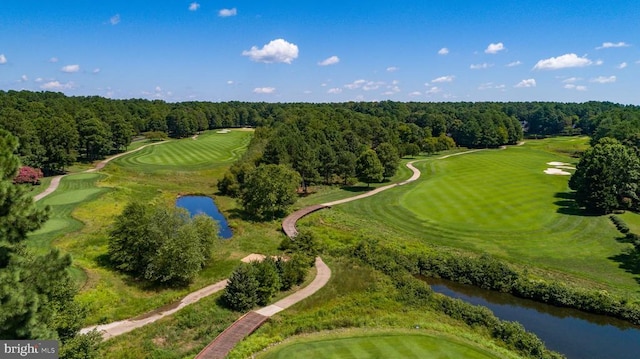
{"points": [[289, 223], [223, 343]]}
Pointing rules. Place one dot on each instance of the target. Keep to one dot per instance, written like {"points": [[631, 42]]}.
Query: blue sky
{"points": [[324, 51]]}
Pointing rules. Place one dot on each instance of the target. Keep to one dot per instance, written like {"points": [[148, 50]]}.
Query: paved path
{"points": [[251, 321], [124, 326], [55, 182], [248, 323]]}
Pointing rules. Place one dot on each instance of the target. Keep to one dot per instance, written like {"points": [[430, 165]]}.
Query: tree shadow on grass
{"points": [[104, 261], [567, 205], [629, 261]]}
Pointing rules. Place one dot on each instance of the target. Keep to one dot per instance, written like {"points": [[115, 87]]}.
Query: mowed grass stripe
{"points": [[379, 346], [500, 202], [209, 150], [72, 191]]}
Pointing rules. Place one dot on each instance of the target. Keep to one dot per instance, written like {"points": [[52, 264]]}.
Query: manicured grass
{"points": [[378, 346], [498, 202], [208, 150], [80, 224], [73, 191]]}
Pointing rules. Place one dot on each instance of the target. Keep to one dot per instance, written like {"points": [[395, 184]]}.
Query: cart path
{"points": [[251, 321], [55, 182], [248, 323]]}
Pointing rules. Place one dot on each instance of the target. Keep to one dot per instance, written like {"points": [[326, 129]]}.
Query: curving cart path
{"points": [[55, 182], [251, 321], [248, 323]]}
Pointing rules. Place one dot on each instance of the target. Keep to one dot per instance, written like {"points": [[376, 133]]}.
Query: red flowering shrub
{"points": [[28, 175]]}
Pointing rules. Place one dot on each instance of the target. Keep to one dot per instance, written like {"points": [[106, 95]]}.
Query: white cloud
{"points": [[603, 79], [53, 59], [96, 70], [115, 19], [277, 50], [599, 62], [434, 90], [194, 6], [3, 59], [526, 83], [158, 89], [443, 51], [562, 62], [24, 78], [448, 78], [494, 48], [230, 82], [264, 90], [38, 79], [56, 85], [491, 85], [329, 61], [622, 66], [70, 68], [228, 12], [480, 66], [571, 80], [355, 84], [575, 87], [372, 85], [514, 63], [415, 93], [392, 69], [607, 45], [335, 90]]}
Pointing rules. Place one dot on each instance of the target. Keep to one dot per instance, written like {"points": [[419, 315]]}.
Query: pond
{"points": [[574, 333], [205, 205]]}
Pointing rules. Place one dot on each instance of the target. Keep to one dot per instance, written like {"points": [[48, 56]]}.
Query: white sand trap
{"points": [[226, 130], [558, 164], [557, 172]]}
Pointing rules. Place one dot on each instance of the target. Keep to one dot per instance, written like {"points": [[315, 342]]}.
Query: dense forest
{"points": [[55, 130]]}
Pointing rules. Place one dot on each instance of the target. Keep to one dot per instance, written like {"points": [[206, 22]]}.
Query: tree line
{"points": [[55, 130]]}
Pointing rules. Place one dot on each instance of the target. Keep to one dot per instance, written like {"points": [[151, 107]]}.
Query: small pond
{"points": [[574, 333], [203, 204]]}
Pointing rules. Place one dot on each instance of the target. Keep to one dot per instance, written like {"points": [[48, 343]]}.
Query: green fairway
{"points": [[73, 191], [501, 202], [208, 150], [378, 346]]}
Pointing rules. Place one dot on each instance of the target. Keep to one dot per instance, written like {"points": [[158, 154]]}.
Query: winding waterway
{"points": [[205, 205], [574, 333]]}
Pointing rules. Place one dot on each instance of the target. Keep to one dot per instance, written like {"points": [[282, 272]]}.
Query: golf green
{"points": [[208, 150], [379, 346], [501, 202]]}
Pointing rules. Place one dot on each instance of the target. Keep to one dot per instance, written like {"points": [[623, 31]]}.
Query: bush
{"points": [[28, 174]]}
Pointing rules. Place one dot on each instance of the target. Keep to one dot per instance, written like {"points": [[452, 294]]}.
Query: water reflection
{"points": [[203, 204], [574, 333]]}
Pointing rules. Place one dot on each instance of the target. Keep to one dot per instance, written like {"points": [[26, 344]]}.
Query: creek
{"points": [[574, 333]]}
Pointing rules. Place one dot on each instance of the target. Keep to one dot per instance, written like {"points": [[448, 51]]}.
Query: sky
{"points": [[324, 51]]}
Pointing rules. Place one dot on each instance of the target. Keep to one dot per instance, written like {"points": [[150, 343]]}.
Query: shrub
{"points": [[28, 174]]}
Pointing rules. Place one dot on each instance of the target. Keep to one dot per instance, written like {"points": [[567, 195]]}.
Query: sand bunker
{"points": [[558, 164], [224, 131], [557, 172]]}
